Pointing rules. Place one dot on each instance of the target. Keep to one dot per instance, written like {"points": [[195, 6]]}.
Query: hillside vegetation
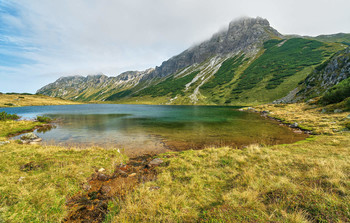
{"points": [[248, 63], [11, 100]]}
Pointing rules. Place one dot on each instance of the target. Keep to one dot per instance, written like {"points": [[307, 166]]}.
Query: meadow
{"points": [[307, 181]]}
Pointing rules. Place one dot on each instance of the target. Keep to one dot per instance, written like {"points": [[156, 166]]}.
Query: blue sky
{"points": [[42, 40]]}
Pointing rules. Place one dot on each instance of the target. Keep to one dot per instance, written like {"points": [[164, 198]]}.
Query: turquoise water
{"points": [[154, 128]]}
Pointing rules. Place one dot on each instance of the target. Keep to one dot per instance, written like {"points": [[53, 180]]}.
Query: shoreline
{"points": [[186, 177]]}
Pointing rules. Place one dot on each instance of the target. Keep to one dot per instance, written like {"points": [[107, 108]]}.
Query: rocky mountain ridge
{"points": [[248, 63]]}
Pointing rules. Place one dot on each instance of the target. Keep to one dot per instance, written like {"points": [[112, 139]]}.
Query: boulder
{"points": [[4, 142], [294, 125], [156, 162], [338, 111], [29, 136]]}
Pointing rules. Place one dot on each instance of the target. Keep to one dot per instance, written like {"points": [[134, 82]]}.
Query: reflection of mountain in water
{"points": [[147, 128]]}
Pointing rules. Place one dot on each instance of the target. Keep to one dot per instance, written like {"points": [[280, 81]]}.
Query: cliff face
{"points": [[92, 87], [248, 63], [324, 77], [244, 35]]}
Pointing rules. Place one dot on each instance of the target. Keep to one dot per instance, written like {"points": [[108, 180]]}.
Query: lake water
{"points": [[139, 129]]}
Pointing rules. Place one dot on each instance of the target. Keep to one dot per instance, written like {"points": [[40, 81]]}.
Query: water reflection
{"points": [[159, 128]]}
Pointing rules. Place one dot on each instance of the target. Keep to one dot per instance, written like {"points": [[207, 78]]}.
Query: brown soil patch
{"points": [[91, 204]]}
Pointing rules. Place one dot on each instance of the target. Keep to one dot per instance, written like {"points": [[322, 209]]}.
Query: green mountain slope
{"points": [[330, 81], [240, 79], [249, 63]]}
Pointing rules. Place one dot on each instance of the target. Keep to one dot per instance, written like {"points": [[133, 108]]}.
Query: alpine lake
{"points": [[152, 129]]}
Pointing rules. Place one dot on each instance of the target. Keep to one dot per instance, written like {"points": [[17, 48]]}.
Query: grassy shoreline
{"points": [[307, 181], [20, 100]]}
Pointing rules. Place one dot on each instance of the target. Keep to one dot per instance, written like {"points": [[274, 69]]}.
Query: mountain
{"points": [[248, 63], [333, 74], [92, 87]]}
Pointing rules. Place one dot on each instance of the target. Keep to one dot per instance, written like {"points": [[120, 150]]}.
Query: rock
{"points": [[294, 125], [156, 162], [323, 110], [310, 101], [105, 189], [102, 177], [338, 111], [132, 175], [37, 140], [21, 179], [101, 170], [121, 172], [348, 117], [86, 186], [29, 136], [4, 142], [153, 188]]}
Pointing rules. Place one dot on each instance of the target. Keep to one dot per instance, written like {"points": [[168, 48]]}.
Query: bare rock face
{"points": [[246, 35], [325, 76]]}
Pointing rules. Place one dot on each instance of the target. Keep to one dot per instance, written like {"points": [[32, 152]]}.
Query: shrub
{"points": [[43, 119], [171, 86], [5, 116], [280, 62], [347, 125], [338, 93]]}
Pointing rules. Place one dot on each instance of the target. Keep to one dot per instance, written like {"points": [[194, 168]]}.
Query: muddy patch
{"points": [[91, 203]]}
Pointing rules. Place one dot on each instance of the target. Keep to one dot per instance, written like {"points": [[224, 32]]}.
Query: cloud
{"points": [[61, 37]]}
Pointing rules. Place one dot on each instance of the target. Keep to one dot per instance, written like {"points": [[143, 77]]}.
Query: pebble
{"points": [[294, 125], [154, 188], [132, 175], [4, 143], [156, 162]]}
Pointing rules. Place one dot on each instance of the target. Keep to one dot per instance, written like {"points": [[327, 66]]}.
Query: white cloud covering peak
{"points": [[42, 40]]}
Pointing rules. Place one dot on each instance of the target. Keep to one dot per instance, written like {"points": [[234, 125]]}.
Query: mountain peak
{"points": [[244, 35], [248, 21]]}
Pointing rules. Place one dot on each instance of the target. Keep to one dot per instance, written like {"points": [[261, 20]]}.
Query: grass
{"points": [[308, 117], [43, 119], [225, 73], [280, 61], [303, 182], [307, 181], [36, 180], [171, 86], [11, 127], [11, 100]]}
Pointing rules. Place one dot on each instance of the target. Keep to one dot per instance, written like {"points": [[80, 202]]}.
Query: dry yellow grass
{"points": [[10, 100], [36, 180], [308, 181], [308, 117]]}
